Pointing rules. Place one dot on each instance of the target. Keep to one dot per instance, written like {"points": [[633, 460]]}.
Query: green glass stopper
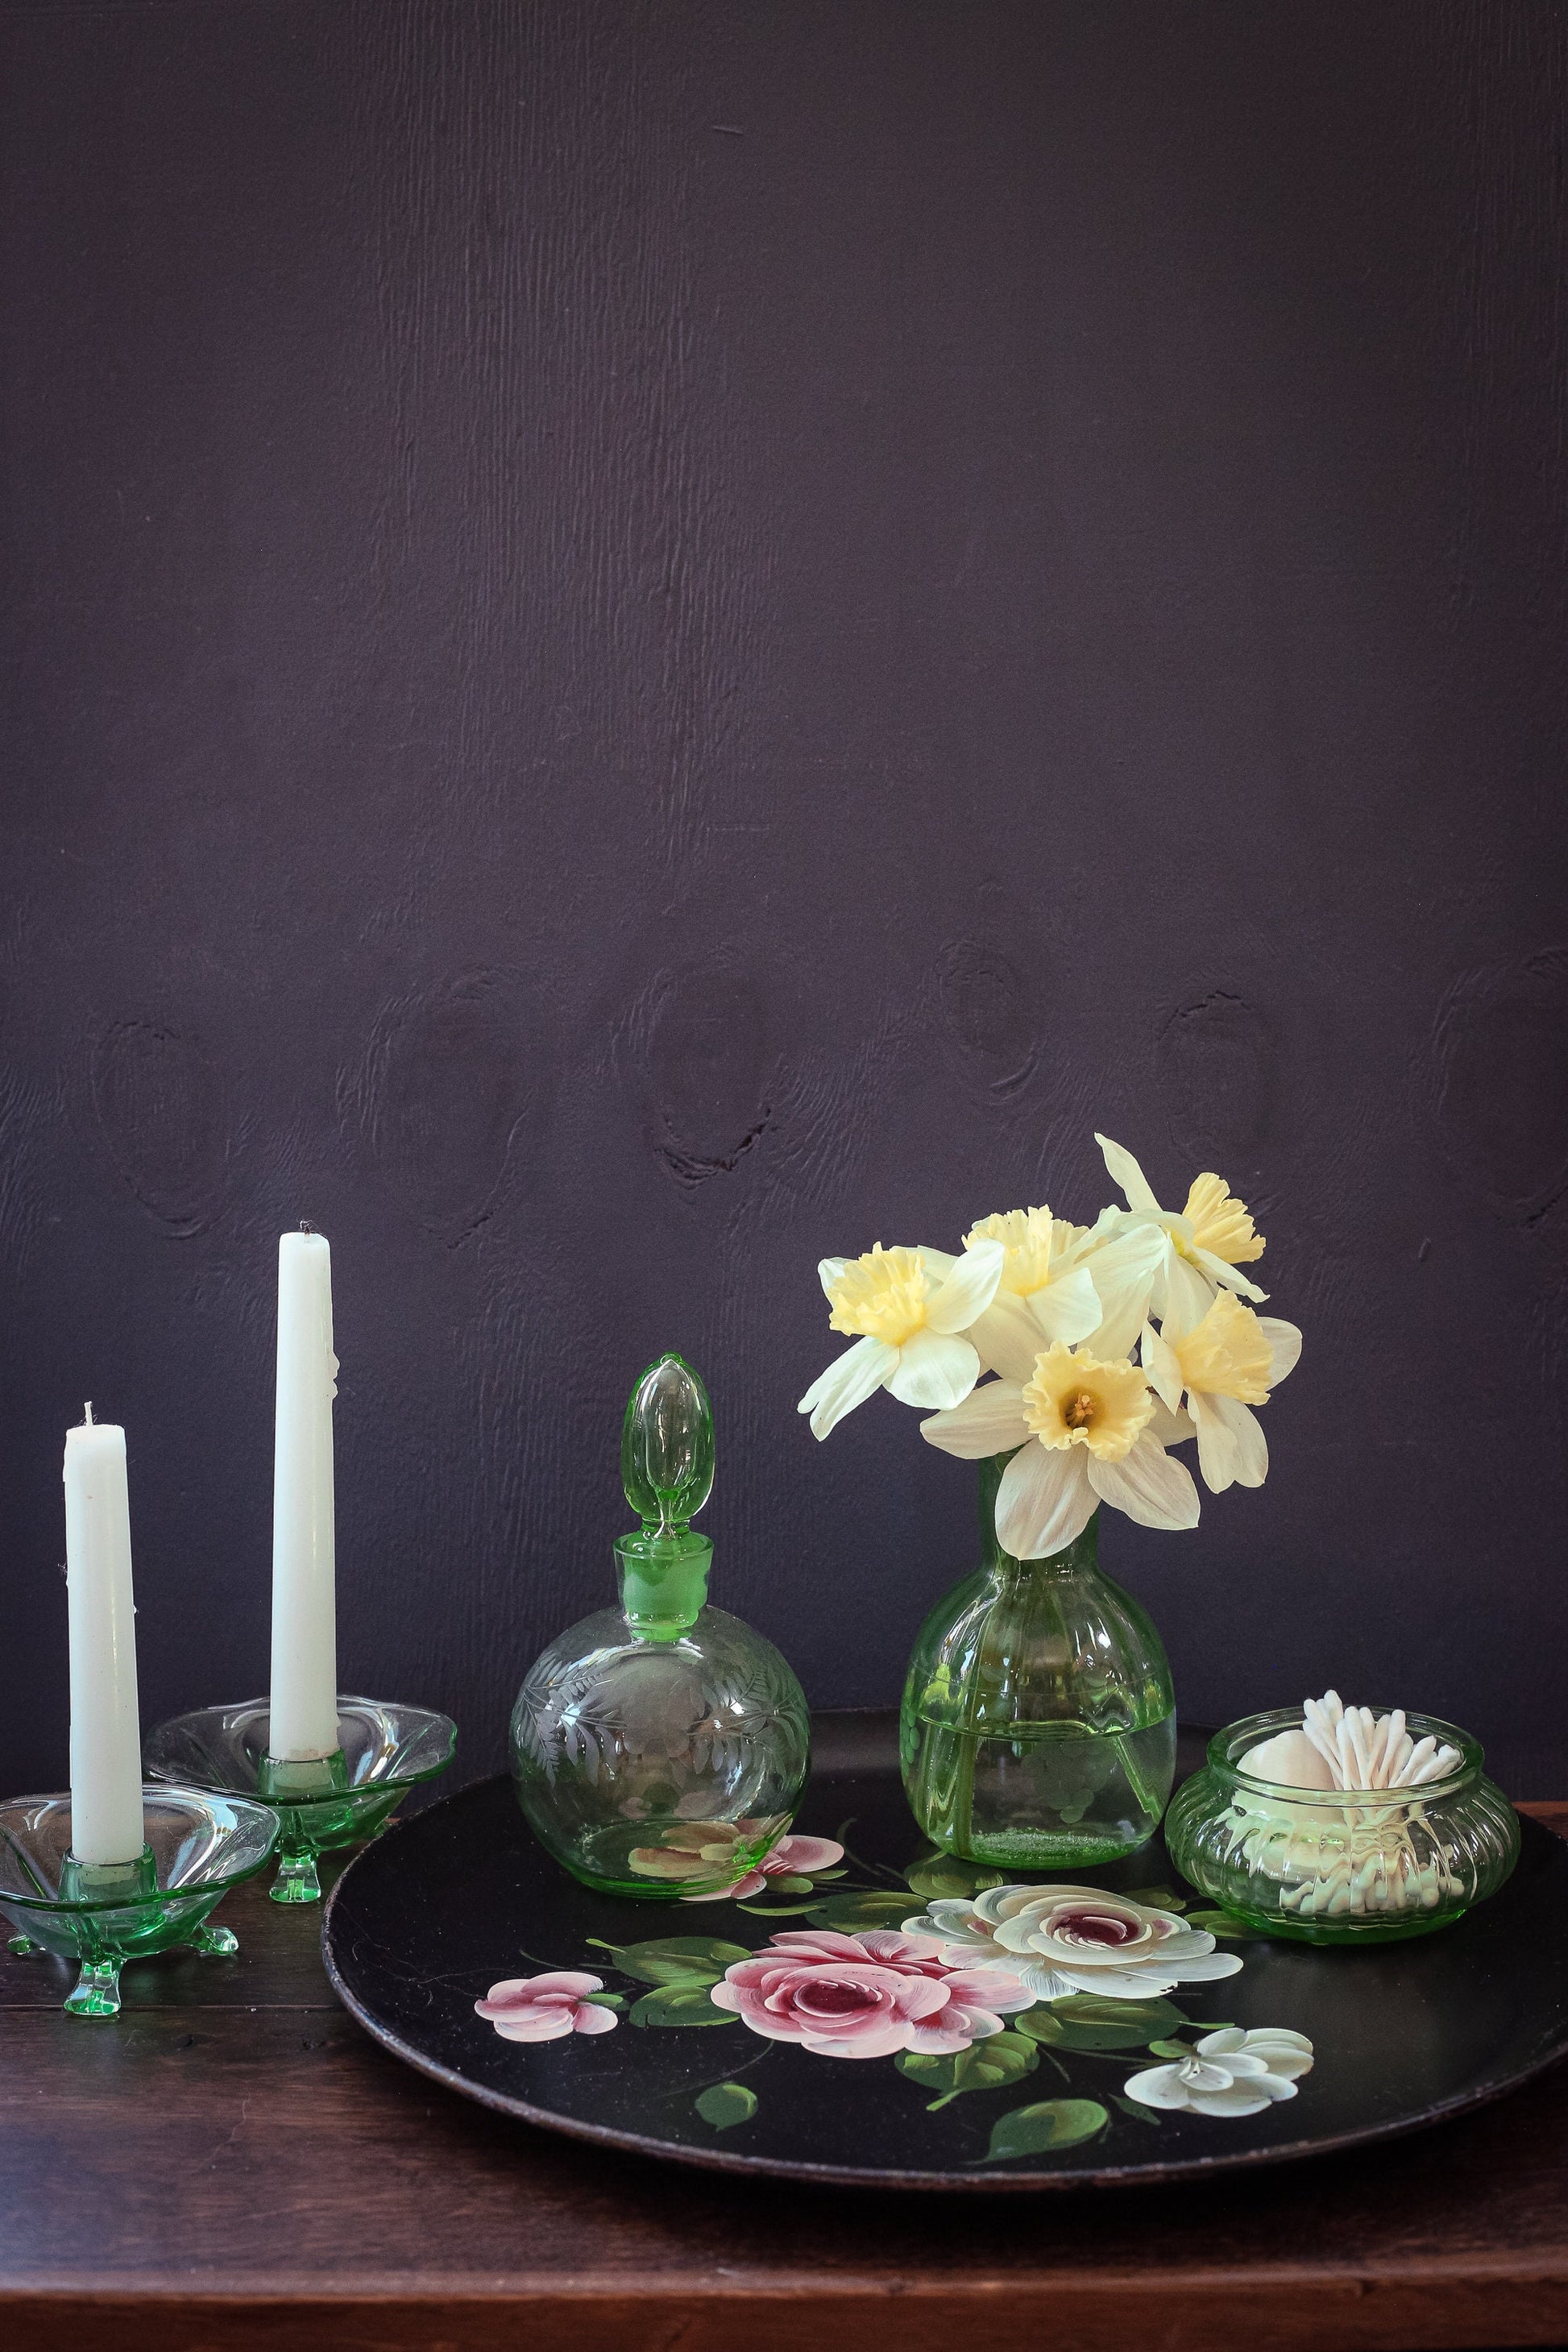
{"points": [[666, 1446], [666, 1469]]}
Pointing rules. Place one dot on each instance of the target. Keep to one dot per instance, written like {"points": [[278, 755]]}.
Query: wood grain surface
{"points": [[648, 639], [234, 2168]]}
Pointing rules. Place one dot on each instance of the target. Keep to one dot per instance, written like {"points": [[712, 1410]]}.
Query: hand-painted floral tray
{"points": [[899, 2066]]}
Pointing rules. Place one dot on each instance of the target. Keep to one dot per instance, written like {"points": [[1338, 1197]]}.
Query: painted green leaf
{"points": [[606, 1999], [723, 2103], [848, 1913], [1086, 2021], [1172, 2049], [681, 2004], [1050, 2123], [1220, 1923], [984, 2066], [788, 1882], [1139, 2114], [940, 1877], [1158, 1898], [675, 1959], [776, 1910]]}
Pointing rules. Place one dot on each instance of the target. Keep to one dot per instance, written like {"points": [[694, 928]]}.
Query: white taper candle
{"points": [[304, 1709], [106, 1730]]}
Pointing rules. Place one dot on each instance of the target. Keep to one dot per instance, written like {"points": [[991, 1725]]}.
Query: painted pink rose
{"points": [[866, 1996], [545, 2007], [792, 1857]]}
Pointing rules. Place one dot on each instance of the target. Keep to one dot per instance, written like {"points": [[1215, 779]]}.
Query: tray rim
{"points": [[992, 2184]]}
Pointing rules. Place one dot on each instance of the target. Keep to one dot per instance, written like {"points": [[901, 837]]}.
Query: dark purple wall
{"points": [[645, 642]]}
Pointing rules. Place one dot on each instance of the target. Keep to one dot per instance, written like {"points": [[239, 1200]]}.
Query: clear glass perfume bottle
{"points": [[660, 1749]]}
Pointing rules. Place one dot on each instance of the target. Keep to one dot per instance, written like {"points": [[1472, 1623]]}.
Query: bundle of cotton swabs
{"points": [[1361, 1857], [1367, 1751]]}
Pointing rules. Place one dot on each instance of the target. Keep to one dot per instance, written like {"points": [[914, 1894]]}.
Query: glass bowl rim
{"points": [[1250, 1730], [183, 1796], [429, 1718]]}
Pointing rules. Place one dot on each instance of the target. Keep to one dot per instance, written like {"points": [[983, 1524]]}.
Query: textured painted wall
{"points": [[649, 641]]}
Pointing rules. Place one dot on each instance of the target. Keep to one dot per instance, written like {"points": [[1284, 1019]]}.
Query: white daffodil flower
{"points": [[1094, 1422], [1203, 1244], [907, 1308], [1225, 1360], [1229, 2073], [1073, 1283]]}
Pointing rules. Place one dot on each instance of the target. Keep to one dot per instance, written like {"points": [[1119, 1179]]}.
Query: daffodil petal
{"points": [[1285, 1339], [1044, 1502], [1169, 1428], [1068, 1308], [1182, 1296], [1007, 1337], [829, 1271], [989, 1421], [940, 1262], [968, 1290], [1250, 1457], [1231, 1276], [1128, 1275], [1148, 1485], [849, 1380], [1217, 1446], [934, 1372], [1125, 1171], [1160, 1363]]}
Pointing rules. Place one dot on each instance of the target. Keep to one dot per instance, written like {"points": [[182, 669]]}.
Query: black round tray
{"points": [[428, 1918]]}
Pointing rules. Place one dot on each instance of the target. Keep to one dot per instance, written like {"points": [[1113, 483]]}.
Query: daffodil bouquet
{"points": [[1107, 1345]]}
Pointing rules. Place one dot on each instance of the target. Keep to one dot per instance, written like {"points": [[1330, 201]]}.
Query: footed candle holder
{"points": [[104, 1914], [383, 1751]]}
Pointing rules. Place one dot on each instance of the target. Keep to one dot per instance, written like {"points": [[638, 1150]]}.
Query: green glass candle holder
{"points": [[336, 1800], [101, 1915], [1342, 1865]]}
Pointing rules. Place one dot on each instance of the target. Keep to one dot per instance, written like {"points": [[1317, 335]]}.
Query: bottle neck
{"points": [[1082, 1553], [663, 1581]]}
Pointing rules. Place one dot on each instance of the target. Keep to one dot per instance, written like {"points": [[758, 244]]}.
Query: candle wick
{"points": [[88, 1410], [306, 1227]]}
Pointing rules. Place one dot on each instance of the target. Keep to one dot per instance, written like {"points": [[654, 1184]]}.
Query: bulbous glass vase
{"points": [[1039, 1728], [660, 1749]]}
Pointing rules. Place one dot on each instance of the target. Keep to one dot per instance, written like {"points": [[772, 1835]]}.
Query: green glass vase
{"points": [[659, 1748], [1039, 1728]]}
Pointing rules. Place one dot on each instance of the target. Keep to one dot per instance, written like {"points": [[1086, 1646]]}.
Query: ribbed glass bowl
{"points": [[1342, 1865], [384, 1750]]}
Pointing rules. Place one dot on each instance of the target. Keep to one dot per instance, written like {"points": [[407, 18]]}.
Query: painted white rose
{"points": [[1065, 1940], [1231, 2073]]}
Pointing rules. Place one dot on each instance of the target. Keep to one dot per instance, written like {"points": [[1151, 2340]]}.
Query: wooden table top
{"points": [[233, 2164]]}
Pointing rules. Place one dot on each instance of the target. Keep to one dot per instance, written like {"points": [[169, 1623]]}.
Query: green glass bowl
{"points": [[101, 1915], [1342, 1865], [384, 1750]]}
